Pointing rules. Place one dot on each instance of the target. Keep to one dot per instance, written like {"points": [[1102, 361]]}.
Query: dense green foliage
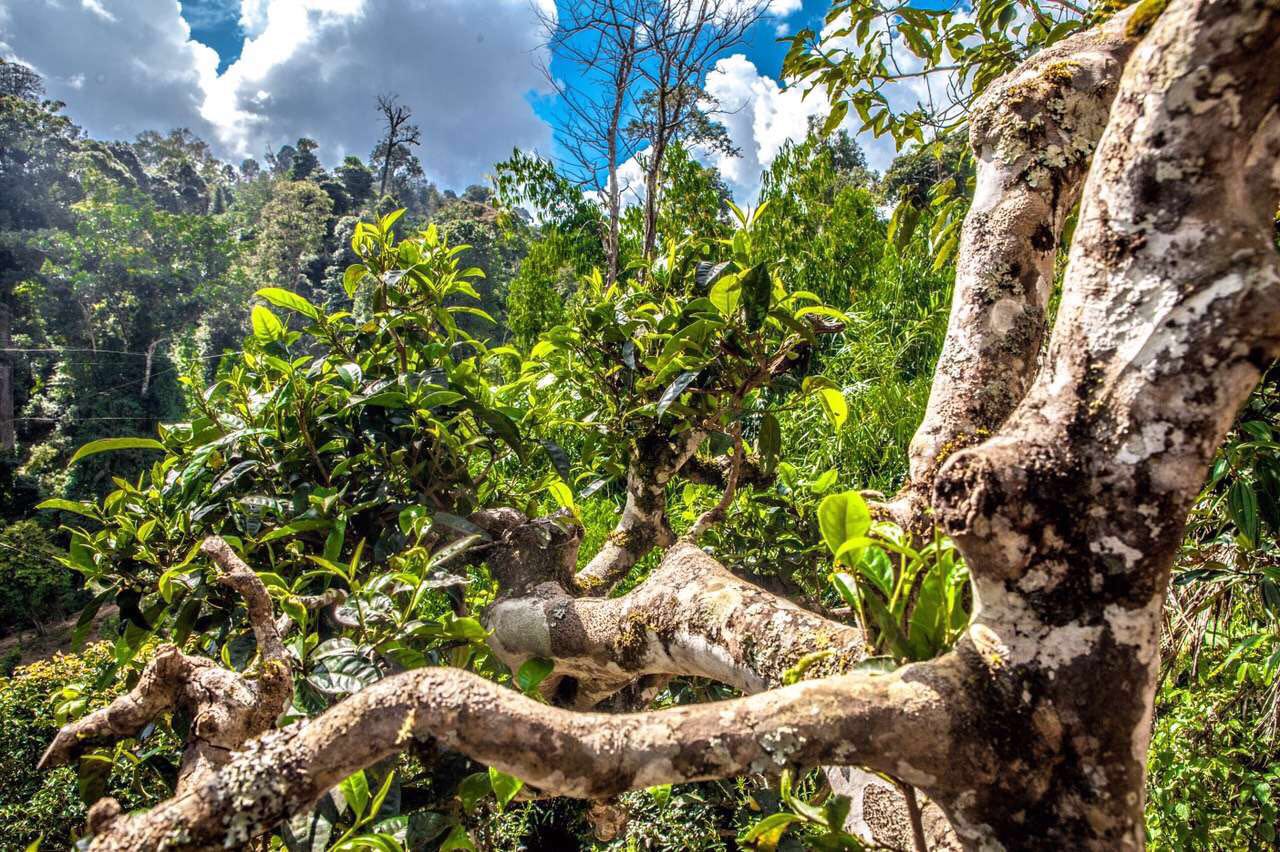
{"points": [[34, 702]]}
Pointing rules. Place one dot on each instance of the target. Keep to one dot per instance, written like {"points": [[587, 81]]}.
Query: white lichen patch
{"points": [[1137, 627], [1066, 644], [1113, 546], [1152, 438], [1004, 315]]}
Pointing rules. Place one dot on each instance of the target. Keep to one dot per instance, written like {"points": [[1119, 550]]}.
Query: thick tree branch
{"points": [[900, 722], [240, 577], [226, 708], [154, 695], [1070, 516], [643, 525], [1033, 134], [690, 617]]}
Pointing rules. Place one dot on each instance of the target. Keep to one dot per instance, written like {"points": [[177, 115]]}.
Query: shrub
{"points": [[48, 804], [34, 587]]}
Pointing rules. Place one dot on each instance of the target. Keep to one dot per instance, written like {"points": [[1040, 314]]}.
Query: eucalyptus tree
{"points": [[1063, 481]]}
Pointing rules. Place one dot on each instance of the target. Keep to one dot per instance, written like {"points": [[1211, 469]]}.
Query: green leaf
{"points": [[333, 543], [1242, 506], [757, 291], [835, 406], [726, 294], [465, 628], [563, 495], [355, 789], [842, 517], [559, 458], [91, 780], [902, 224], [352, 277], [457, 839], [673, 391], [661, 794], [849, 552], [266, 327], [769, 442], [502, 425], [824, 482], [458, 524], [89, 510], [706, 274], [282, 298], [885, 621], [295, 528], [838, 112], [381, 796], [472, 789], [768, 831], [104, 445], [532, 672], [505, 786]]}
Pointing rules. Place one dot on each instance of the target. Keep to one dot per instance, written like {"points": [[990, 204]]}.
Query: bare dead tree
{"points": [[602, 40], [641, 64], [683, 38], [400, 135], [1067, 495]]}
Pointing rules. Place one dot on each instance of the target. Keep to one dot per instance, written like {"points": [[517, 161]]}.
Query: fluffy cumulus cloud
{"points": [[307, 68], [761, 115], [121, 66]]}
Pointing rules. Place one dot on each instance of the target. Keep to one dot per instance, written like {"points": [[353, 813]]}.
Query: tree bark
{"points": [[1033, 134]]}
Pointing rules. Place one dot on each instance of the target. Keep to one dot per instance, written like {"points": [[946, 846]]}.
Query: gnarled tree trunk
{"points": [[1065, 487]]}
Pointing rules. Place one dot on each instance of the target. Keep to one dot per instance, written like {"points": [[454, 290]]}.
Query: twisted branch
{"points": [[901, 722]]}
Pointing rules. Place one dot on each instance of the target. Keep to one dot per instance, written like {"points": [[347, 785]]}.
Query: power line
{"points": [[80, 419], [154, 374], [61, 351]]}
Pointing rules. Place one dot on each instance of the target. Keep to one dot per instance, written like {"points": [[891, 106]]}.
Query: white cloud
{"points": [[307, 68], [96, 8], [122, 66], [762, 115], [314, 66]]}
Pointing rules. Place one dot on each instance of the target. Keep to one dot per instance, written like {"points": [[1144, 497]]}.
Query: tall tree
{"points": [[19, 81], [601, 39], [683, 39], [356, 179], [400, 136], [305, 162], [640, 67], [292, 226]]}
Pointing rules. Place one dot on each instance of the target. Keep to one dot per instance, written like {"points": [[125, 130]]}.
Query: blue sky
{"points": [[216, 23], [251, 75]]}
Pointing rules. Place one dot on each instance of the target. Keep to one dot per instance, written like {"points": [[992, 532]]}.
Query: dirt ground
{"points": [[57, 637]]}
